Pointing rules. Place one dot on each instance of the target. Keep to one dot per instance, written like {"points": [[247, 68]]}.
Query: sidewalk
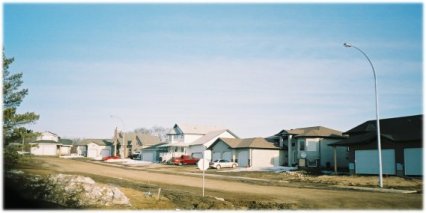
{"points": [[360, 188]]}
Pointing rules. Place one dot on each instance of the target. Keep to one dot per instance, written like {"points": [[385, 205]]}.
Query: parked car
{"points": [[110, 157], [218, 164], [135, 155], [184, 160]]}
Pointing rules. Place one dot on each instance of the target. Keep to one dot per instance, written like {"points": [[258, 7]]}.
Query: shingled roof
{"points": [[194, 129], [209, 136], [409, 128], [315, 131], [100, 142], [145, 139], [399, 129], [66, 142], [257, 142]]}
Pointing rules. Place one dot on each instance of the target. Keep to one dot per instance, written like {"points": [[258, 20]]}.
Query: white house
{"points": [[248, 152], [309, 146], [65, 147], [46, 144], [45, 147], [182, 136], [48, 136], [198, 148], [95, 148]]}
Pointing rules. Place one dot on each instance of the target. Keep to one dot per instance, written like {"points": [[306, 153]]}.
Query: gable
{"points": [[220, 146], [208, 139], [193, 129], [176, 130]]}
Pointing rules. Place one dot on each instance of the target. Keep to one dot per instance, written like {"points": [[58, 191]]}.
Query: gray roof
{"points": [[257, 142], [194, 129], [145, 139], [209, 136], [100, 142], [66, 142], [155, 147], [315, 131]]}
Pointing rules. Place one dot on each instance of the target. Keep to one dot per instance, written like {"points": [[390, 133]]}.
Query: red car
{"points": [[110, 157], [184, 160]]}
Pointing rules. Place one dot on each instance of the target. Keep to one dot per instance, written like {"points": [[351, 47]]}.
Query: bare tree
{"points": [[158, 131]]}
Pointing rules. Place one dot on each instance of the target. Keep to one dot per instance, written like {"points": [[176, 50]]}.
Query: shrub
{"points": [[10, 157]]}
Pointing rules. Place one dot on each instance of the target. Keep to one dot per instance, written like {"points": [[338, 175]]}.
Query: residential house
{"points": [[65, 147], [47, 144], [401, 146], [135, 142], [95, 148], [248, 152], [152, 153], [45, 147], [308, 147], [181, 136], [198, 148], [47, 136]]}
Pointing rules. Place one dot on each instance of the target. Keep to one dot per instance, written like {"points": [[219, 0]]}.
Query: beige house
{"points": [[134, 143], [309, 146], [248, 152]]}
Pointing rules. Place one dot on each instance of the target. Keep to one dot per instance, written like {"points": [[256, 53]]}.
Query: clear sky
{"points": [[252, 68]]}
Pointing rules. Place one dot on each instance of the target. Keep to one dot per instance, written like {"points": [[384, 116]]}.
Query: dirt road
{"points": [[304, 197]]}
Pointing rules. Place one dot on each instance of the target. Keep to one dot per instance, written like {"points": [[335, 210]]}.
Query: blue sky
{"points": [[252, 68]]}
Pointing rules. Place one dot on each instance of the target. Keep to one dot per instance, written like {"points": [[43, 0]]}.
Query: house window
{"points": [[311, 146], [302, 145]]}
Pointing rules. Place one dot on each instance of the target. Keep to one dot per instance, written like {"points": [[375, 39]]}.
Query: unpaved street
{"points": [[304, 197]]}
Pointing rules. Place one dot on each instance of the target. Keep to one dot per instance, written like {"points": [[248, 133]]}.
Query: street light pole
{"points": [[379, 147], [124, 134]]}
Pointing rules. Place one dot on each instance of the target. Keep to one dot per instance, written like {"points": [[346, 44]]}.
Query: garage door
{"points": [[91, 153], [227, 156], [217, 156], [413, 161], [148, 156], [243, 157], [44, 149], [367, 162], [49, 149], [197, 155], [105, 153]]}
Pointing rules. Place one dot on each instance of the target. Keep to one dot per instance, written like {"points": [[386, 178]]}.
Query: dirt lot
{"points": [[181, 187]]}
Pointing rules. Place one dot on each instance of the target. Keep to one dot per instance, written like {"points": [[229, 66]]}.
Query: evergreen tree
{"points": [[12, 98]]}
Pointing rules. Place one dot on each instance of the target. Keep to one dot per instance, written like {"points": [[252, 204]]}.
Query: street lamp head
{"points": [[347, 45]]}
